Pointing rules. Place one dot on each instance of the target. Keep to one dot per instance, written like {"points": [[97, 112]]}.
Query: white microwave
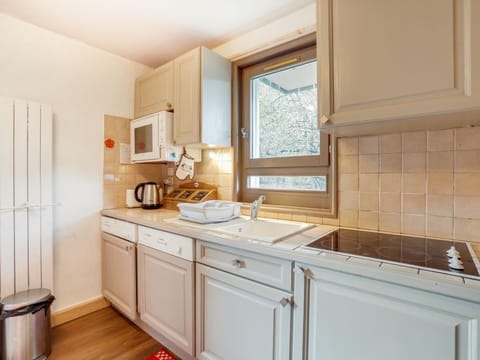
{"points": [[151, 138]]}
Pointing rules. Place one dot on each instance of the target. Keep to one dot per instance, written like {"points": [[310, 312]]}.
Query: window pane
{"points": [[284, 113], [291, 183]]}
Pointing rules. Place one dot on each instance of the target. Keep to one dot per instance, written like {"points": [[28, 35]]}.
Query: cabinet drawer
{"points": [[122, 229], [173, 244], [271, 271]]}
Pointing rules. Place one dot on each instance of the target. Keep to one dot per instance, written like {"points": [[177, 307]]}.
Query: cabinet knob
{"points": [[169, 105], [286, 301], [238, 263], [324, 119]]}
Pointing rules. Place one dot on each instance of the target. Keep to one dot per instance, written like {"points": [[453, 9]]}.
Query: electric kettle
{"points": [[150, 195]]}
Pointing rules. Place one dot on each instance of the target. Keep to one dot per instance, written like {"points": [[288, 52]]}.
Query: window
{"points": [[281, 152]]}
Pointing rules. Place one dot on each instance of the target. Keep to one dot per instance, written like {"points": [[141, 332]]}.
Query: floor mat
{"points": [[161, 355]]}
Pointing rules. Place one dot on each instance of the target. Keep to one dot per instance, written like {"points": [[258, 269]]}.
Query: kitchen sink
{"points": [[265, 230]]}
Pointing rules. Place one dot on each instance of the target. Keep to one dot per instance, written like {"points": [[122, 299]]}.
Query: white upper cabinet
{"points": [[383, 60]]}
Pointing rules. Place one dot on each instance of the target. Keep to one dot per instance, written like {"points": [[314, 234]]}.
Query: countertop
{"points": [[453, 285]]}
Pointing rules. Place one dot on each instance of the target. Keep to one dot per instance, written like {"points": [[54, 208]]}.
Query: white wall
{"points": [[82, 84]]}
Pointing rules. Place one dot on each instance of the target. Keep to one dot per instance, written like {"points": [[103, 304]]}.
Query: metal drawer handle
{"points": [[148, 235], [237, 263], [307, 272]]}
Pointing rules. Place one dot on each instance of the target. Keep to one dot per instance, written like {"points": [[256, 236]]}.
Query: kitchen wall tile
{"points": [[368, 164], [440, 205], [348, 218], [390, 202], [348, 146], [368, 182], [467, 184], [348, 200], [414, 162], [390, 222], [414, 142], [440, 161], [440, 183], [414, 183], [390, 163], [391, 182], [391, 143], [225, 193], [468, 138], [467, 207], [414, 204], [439, 226], [368, 145], [467, 229], [331, 221], [368, 220], [467, 160], [440, 140], [348, 164], [297, 217], [369, 201], [413, 224], [284, 216], [348, 182], [315, 220]]}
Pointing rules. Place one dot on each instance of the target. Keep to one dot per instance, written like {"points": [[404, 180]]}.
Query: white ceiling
{"points": [[150, 31]]}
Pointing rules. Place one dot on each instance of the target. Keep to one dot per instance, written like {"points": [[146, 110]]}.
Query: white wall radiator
{"points": [[26, 244]]}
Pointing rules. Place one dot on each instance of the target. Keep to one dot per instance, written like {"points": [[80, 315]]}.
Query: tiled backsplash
{"points": [[216, 168]]}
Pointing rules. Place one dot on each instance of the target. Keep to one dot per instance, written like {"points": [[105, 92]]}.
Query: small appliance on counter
{"points": [[150, 195], [191, 192]]}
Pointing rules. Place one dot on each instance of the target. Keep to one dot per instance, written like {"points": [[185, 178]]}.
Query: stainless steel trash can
{"points": [[25, 325]]}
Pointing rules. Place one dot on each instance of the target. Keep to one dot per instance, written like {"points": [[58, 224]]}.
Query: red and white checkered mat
{"points": [[161, 355]]}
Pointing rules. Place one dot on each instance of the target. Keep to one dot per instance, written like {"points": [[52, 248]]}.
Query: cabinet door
{"points": [[166, 295], [119, 274], [383, 60], [187, 98], [154, 91], [239, 319], [350, 317]]}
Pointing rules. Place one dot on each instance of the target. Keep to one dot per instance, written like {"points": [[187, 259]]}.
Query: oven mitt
{"points": [[185, 168]]}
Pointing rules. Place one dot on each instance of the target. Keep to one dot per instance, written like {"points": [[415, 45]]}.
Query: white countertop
{"points": [[467, 288]]}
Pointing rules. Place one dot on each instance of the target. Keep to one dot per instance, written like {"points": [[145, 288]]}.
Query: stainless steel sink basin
{"points": [[265, 230]]}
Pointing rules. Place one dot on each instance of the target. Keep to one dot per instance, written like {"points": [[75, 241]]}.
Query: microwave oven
{"points": [[151, 139]]}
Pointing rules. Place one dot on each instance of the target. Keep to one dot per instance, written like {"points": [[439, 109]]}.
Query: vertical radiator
{"points": [[26, 248]]}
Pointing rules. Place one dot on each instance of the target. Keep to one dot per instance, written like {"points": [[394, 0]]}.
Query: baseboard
{"points": [[79, 310]]}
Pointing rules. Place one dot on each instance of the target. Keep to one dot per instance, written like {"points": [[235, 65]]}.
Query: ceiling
{"points": [[150, 31]]}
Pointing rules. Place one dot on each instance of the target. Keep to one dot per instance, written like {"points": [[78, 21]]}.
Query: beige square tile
{"points": [[348, 218], [391, 163], [414, 204], [369, 201], [467, 184], [348, 200], [467, 229], [225, 193], [368, 145], [440, 205], [440, 140], [467, 207], [348, 146], [414, 183], [414, 142], [368, 182], [440, 161], [297, 217], [413, 224], [348, 182], [368, 220], [391, 143], [368, 164], [467, 160], [284, 216], [468, 138], [440, 183], [315, 220], [390, 202], [348, 164], [390, 182], [331, 221], [389, 222], [439, 226], [414, 162]]}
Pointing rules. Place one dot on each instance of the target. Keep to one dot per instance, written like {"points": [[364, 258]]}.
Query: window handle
{"points": [[244, 133]]}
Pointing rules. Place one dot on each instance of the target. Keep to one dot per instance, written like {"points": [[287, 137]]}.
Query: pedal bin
{"points": [[25, 325]]}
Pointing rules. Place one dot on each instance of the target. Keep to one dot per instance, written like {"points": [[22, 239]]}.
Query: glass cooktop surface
{"points": [[417, 251]]}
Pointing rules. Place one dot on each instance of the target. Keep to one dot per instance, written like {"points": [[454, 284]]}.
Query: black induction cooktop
{"points": [[417, 251]]}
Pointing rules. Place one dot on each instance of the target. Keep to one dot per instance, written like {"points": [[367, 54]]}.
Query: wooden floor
{"points": [[101, 335]]}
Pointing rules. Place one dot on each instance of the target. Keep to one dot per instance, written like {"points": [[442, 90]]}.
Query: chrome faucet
{"points": [[255, 207]]}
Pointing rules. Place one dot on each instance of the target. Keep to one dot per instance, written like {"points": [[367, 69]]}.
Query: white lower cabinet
{"points": [[240, 319], [166, 295], [340, 316], [119, 281]]}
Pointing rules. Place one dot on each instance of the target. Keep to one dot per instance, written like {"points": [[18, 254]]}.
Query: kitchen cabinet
{"points": [[166, 293], [382, 60], [119, 280], [154, 91], [202, 98], [238, 318], [341, 316]]}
